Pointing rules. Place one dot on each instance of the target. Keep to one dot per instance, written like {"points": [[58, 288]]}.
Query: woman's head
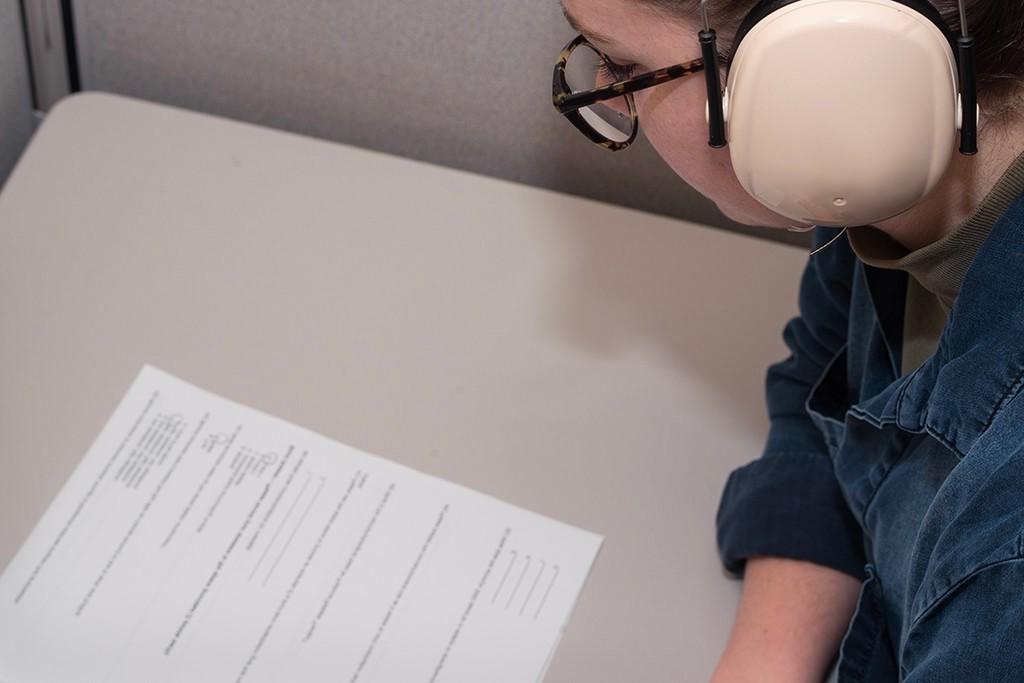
{"points": [[655, 33]]}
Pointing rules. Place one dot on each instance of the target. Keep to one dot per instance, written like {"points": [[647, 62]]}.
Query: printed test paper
{"points": [[201, 540]]}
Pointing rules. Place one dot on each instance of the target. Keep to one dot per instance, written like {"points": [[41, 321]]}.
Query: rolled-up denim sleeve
{"points": [[787, 502]]}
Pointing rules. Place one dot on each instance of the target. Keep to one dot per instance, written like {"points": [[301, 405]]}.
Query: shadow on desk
{"points": [[711, 304]]}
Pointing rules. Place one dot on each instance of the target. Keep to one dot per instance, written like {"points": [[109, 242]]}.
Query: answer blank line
{"points": [[295, 529], [545, 598], [280, 526], [507, 571], [516, 589], [543, 566]]}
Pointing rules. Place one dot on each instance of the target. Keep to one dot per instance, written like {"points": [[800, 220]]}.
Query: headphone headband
{"points": [[765, 7]]}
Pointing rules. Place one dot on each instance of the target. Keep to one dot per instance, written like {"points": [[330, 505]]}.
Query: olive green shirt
{"points": [[936, 269]]}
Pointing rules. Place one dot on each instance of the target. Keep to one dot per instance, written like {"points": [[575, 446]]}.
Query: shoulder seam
{"points": [[926, 612], [1008, 395]]}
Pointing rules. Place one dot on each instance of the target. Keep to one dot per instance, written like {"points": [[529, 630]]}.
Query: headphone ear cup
{"points": [[842, 112]]}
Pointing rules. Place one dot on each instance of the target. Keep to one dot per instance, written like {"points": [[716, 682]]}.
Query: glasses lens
{"points": [[586, 70]]}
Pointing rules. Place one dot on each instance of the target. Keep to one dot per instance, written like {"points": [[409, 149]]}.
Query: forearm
{"points": [[791, 618]]}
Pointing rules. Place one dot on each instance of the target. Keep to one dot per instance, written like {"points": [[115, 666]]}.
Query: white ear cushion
{"points": [[842, 112]]}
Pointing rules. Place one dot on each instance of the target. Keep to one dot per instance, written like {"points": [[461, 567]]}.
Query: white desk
{"points": [[592, 363]]}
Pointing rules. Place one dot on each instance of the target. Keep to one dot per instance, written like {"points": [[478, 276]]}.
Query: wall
{"points": [[463, 83], [16, 118]]}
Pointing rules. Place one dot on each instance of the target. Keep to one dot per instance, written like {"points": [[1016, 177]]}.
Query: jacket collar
{"points": [[979, 363], [887, 288]]}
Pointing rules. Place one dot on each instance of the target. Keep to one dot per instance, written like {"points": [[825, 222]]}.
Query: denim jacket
{"points": [[914, 483]]}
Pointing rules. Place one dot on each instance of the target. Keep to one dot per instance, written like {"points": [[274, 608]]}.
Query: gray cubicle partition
{"points": [[16, 118], [463, 83]]}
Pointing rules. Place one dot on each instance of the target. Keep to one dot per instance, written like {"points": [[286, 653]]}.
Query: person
{"points": [[883, 525]]}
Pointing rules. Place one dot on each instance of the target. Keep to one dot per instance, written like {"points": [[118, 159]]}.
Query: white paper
{"points": [[200, 540]]}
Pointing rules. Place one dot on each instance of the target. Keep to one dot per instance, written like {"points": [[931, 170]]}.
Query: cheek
{"points": [[672, 119]]}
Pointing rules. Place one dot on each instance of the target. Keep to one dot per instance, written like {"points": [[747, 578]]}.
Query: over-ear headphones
{"points": [[842, 112]]}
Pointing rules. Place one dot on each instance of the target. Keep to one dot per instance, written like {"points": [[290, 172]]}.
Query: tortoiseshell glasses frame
{"points": [[569, 103]]}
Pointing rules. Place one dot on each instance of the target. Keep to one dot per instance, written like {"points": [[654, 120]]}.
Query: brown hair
{"points": [[997, 27]]}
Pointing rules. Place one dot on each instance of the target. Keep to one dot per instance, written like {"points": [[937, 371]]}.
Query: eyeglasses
{"points": [[595, 94]]}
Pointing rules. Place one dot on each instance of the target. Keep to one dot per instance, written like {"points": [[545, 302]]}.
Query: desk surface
{"points": [[593, 363]]}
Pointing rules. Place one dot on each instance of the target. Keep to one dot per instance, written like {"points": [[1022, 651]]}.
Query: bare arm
{"points": [[791, 619], [788, 503]]}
